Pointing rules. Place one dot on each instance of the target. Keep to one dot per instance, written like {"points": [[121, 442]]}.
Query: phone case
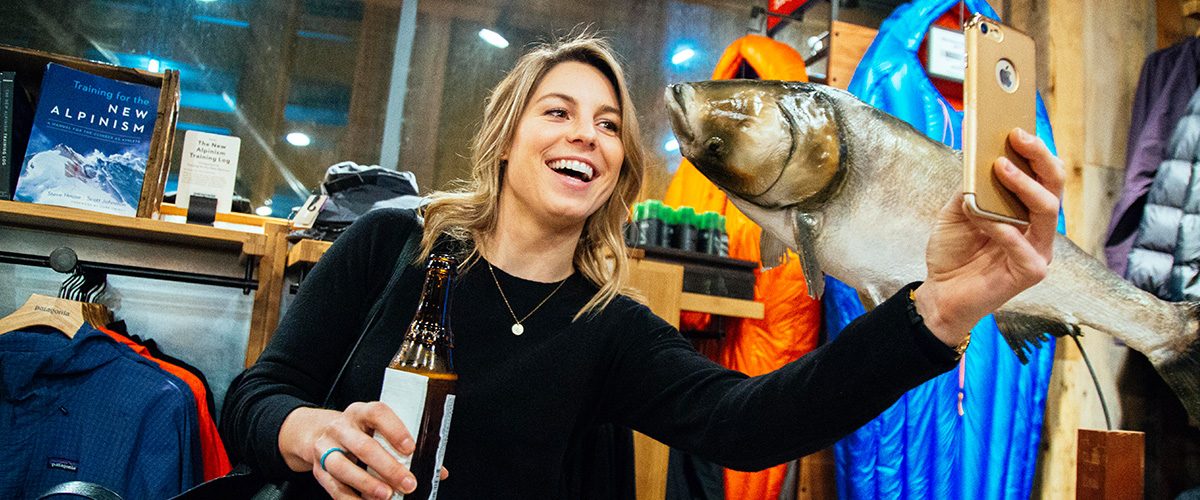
{"points": [[999, 95]]}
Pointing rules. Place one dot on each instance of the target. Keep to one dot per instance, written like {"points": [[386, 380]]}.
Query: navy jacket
{"points": [[89, 409]]}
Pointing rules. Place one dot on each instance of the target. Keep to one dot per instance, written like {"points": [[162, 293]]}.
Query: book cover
{"points": [[208, 167], [89, 142]]}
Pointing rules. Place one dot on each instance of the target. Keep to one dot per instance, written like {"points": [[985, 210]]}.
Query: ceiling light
{"points": [[300, 139], [493, 38], [153, 66], [264, 211], [682, 55], [671, 145]]}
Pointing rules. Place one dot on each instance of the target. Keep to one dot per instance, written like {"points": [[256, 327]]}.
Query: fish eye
{"points": [[714, 145]]}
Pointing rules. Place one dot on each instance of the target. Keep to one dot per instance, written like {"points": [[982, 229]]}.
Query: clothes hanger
{"points": [[63, 313]]}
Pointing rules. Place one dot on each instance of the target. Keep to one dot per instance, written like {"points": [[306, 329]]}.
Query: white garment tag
{"points": [[307, 214], [404, 392], [946, 54]]}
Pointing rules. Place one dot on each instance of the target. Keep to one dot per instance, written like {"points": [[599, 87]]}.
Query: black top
{"points": [[526, 402]]}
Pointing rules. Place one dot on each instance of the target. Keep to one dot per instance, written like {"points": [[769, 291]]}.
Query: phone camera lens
{"points": [[983, 28]]}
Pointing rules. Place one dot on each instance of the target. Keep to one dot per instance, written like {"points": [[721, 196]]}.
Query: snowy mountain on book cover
{"points": [[89, 143]]}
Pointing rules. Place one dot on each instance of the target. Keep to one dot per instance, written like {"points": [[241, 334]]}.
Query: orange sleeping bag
{"points": [[791, 324]]}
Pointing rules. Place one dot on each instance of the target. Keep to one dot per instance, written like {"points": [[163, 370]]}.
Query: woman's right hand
{"points": [[309, 433]]}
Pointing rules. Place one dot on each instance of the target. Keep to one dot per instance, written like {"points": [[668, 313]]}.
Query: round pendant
{"points": [[517, 329]]}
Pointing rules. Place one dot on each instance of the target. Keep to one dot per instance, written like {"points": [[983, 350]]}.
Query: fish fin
{"points": [[870, 298], [771, 251], [805, 227], [1024, 332]]}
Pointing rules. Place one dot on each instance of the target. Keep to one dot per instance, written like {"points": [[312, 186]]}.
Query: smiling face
{"points": [[566, 153]]}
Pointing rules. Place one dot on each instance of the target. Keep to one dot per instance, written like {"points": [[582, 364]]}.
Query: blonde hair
{"points": [[469, 213]]}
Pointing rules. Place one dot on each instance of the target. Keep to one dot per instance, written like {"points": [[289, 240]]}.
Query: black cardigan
{"points": [[527, 404]]}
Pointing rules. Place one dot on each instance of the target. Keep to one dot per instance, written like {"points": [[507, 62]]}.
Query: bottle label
{"points": [[403, 392], [444, 433]]}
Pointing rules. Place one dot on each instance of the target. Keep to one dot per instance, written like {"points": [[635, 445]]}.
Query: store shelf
{"points": [[307, 252], [724, 306], [310, 251], [86, 222]]}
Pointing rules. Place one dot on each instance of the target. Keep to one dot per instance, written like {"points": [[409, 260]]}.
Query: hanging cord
{"points": [[1095, 380]]}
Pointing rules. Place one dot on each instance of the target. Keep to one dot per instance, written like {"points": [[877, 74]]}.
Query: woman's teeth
{"points": [[577, 169]]}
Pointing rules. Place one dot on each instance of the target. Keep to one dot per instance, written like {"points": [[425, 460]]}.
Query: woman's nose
{"points": [[583, 132]]}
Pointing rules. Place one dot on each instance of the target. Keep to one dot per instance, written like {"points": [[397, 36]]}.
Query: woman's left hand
{"points": [[975, 265]]}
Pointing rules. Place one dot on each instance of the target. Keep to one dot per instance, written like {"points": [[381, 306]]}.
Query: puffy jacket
{"points": [[1165, 259]]}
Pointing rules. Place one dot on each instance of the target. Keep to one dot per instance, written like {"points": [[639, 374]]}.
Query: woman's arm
{"points": [[309, 347], [665, 389]]}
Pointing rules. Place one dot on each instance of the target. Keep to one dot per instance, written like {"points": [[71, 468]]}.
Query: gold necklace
{"points": [[517, 327]]}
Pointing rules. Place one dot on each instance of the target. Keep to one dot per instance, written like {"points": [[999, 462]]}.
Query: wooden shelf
{"points": [[73, 220], [724, 306], [307, 252], [310, 251], [231, 217]]}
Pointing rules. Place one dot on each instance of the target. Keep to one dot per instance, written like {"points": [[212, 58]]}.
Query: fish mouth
{"points": [[676, 95]]}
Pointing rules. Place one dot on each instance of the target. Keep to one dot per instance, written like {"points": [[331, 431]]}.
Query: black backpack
{"points": [[354, 190]]}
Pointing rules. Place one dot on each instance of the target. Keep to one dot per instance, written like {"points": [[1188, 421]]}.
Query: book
{"points": [[7, 84], [89, 143], [208, 167]]}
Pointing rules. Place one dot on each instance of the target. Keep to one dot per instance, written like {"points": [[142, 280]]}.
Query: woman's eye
{"points": [[557, 112], [611, 126]]}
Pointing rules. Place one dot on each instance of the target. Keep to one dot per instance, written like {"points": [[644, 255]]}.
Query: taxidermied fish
{"points": [[855, 192]]}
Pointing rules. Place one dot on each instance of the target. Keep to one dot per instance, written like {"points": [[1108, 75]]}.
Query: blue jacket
{"points": [[89, 409], [921, 447]]}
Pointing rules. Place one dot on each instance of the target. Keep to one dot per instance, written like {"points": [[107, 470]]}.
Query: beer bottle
{"points": [[419, 382]]}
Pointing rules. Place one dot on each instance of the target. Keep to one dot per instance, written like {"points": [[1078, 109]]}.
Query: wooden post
{"points": [[1111, 465], [268, 297], [848, 42], [262, 93]]}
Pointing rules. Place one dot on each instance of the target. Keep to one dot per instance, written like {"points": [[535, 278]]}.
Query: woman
{"points": [[556, 166]]}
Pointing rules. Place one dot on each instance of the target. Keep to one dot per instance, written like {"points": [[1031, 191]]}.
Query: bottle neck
{"points": [[428, 343], [434, 306]]}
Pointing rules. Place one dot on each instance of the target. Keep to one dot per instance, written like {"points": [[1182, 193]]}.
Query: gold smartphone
{"points": [[998, 95]]}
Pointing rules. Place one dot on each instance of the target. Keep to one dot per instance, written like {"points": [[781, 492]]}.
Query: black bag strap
{"points": [[406, 257], [81, 489]]}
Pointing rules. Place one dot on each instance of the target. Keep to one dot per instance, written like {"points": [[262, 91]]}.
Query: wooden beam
{"points": [[848, 42], [267, 299], [369, 91], [423, 113], [262, 94]]}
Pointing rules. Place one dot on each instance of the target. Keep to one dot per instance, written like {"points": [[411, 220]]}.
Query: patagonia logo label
{"points": [[64, 464]]}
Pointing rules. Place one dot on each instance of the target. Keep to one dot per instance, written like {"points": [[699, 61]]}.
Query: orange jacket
{"points": [[216, 461], [791, 324]]}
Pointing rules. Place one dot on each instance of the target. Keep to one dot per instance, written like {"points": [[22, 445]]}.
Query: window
{"points": [[309, 83]]}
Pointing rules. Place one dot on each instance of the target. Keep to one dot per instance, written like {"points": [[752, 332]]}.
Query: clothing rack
{"points": [[247, 284]]}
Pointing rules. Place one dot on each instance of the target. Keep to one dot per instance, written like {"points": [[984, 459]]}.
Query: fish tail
{"points": [[1181, 368]]}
